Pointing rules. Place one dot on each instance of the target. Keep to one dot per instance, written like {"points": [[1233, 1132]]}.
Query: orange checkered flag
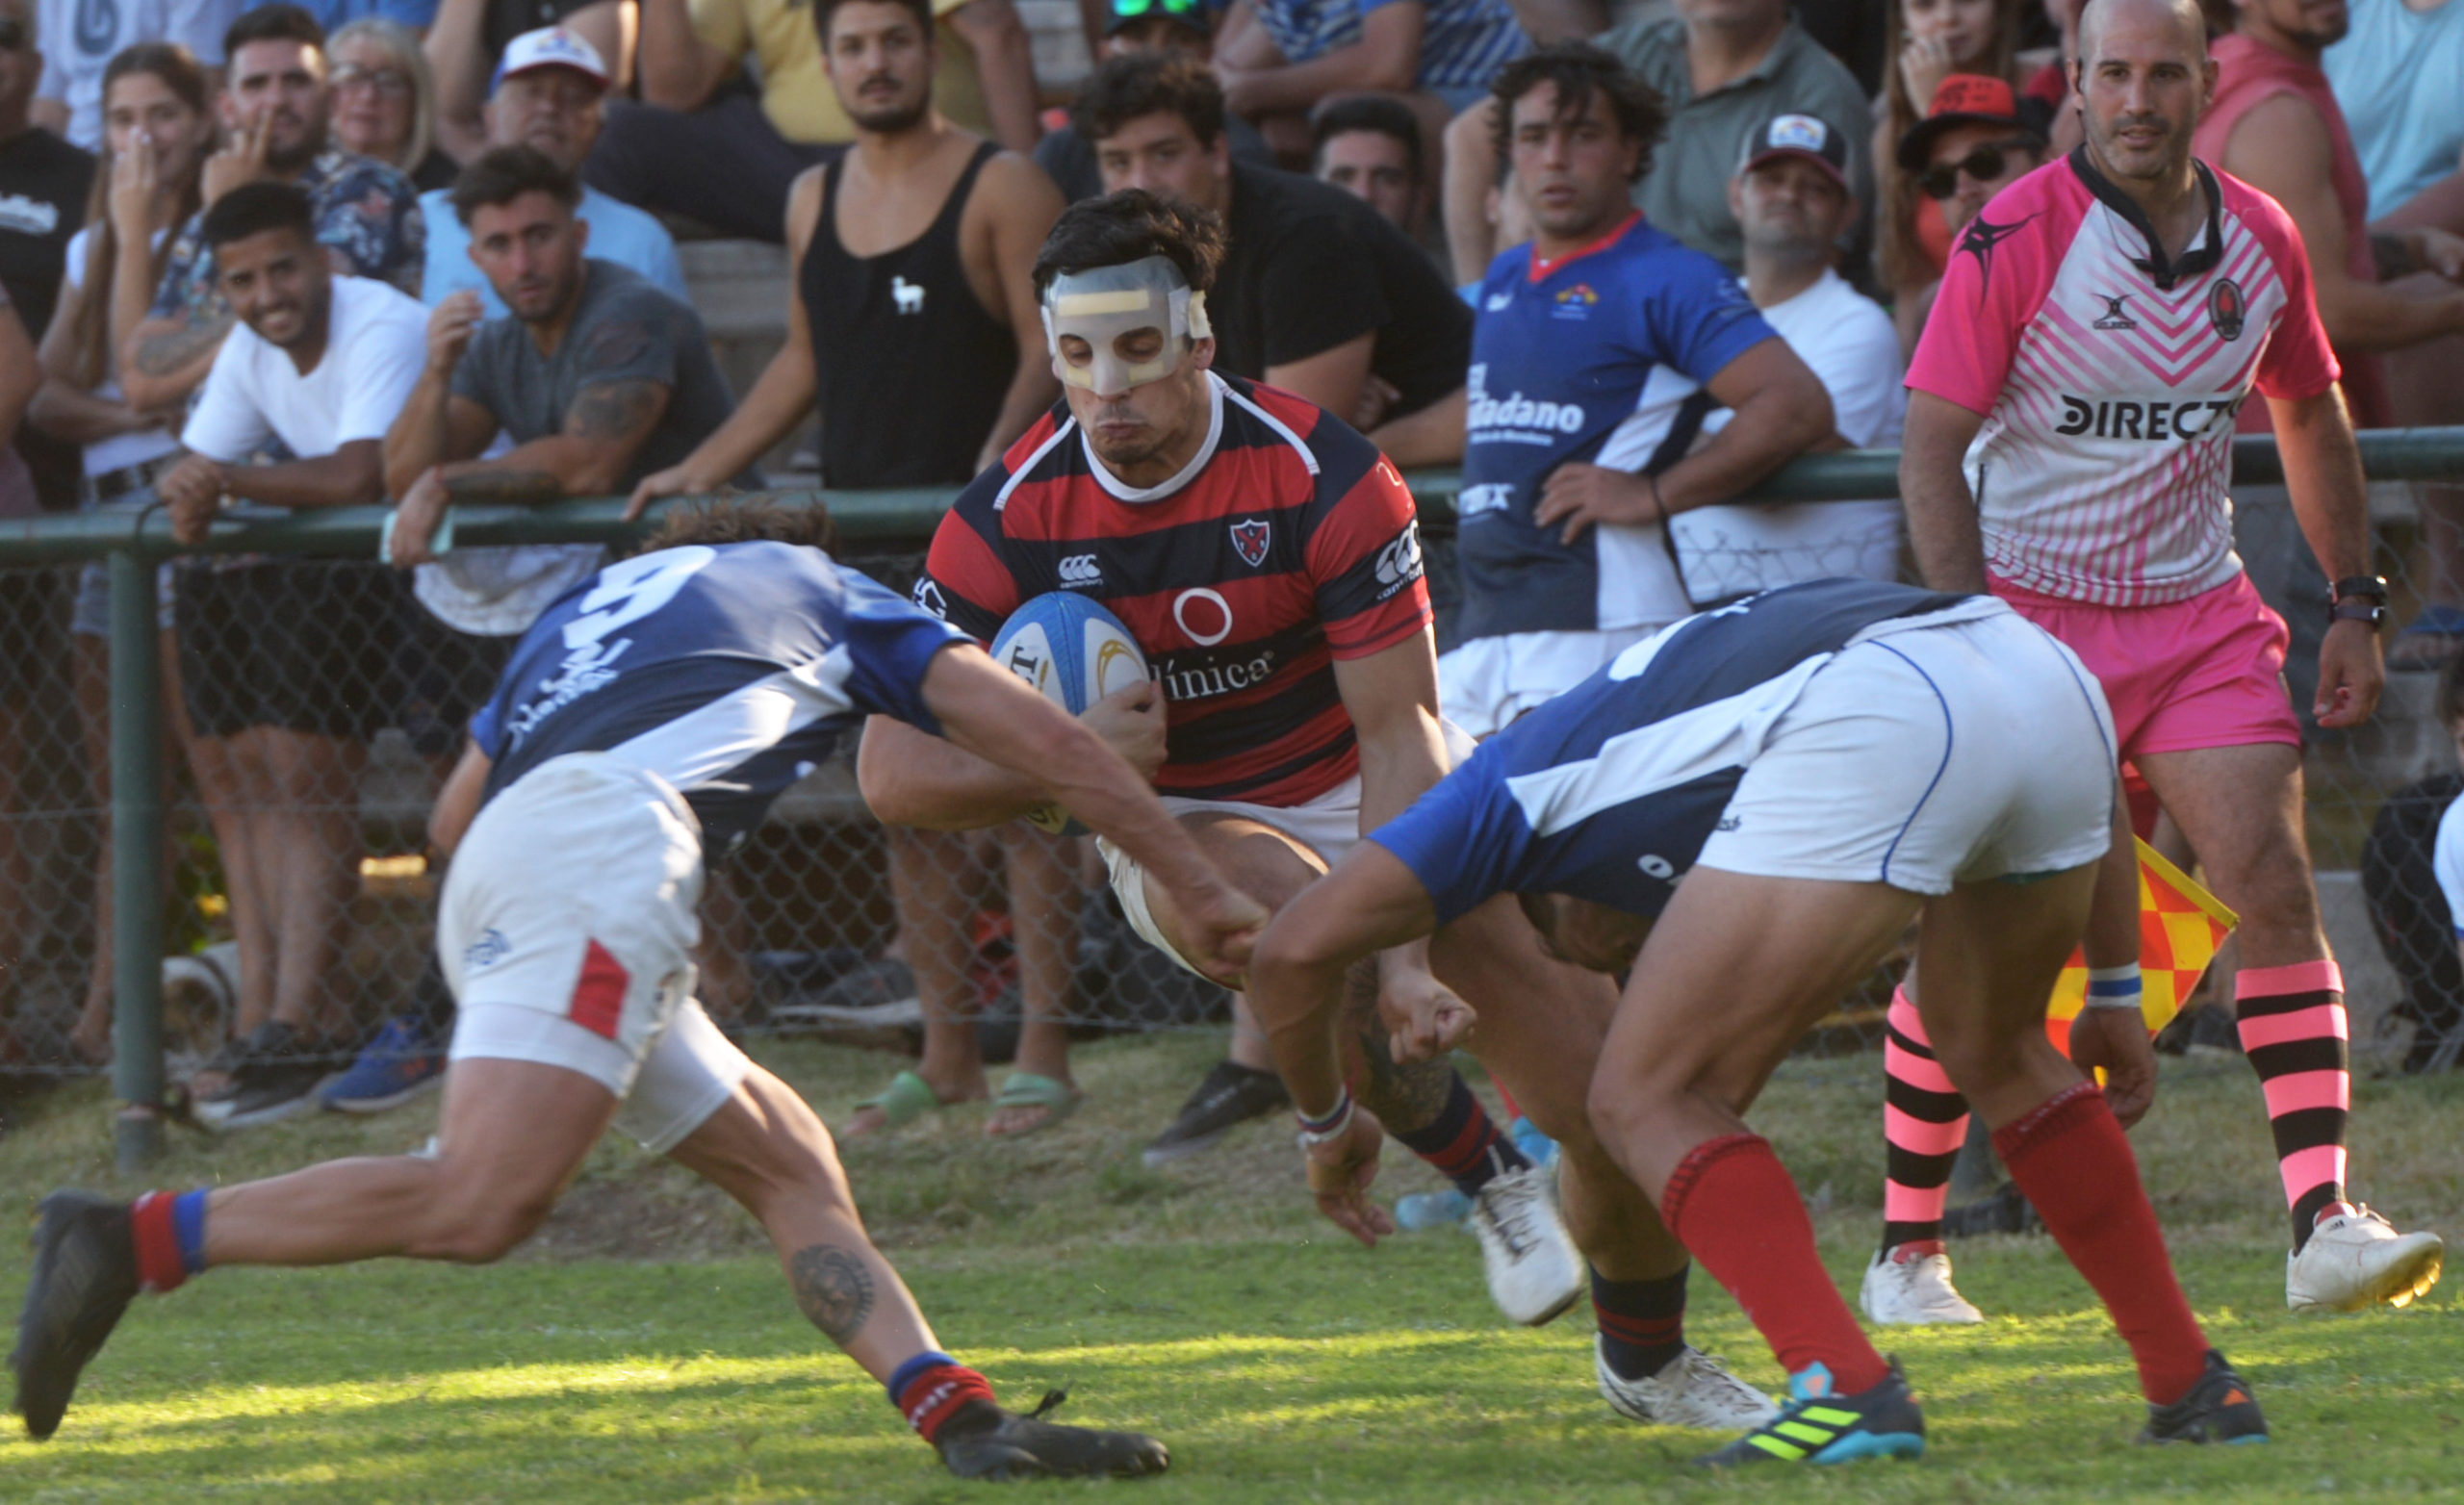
{"points": [[2181, 927]]}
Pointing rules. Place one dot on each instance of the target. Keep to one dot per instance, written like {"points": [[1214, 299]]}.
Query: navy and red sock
{"points": [[1642, 1322], [1464, 1143], [169, 1232], [931, 1389]]}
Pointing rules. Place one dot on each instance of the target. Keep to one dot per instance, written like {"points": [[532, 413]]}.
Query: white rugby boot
{"points": [[1534, 1271], [1910, 1286], [1693, 1390], [2355, 1258]]}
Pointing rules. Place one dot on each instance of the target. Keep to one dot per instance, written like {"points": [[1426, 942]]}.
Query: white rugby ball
{"points": [[1074, 653]]}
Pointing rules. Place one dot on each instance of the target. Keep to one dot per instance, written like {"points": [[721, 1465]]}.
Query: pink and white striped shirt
{"points": [[2109, 377]]}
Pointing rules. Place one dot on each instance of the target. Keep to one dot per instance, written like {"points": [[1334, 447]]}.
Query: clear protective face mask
{"points": [[1101, 304]]}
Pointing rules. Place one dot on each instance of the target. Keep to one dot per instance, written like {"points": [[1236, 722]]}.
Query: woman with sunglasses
{"points": [[1978, 136], [1927, 42], [158, 127]]}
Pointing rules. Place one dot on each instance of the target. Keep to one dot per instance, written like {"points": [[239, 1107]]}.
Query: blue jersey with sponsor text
{"points": [[1608, 792], [729, 670], [1598, 356]]}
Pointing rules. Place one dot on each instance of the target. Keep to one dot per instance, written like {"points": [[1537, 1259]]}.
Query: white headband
{"points": [[1103, 303]]}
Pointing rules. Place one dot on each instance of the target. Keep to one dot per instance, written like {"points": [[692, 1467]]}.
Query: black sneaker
{"points": [[85, 1276], [2219, 1409], [273, 1075], [984, 1442], [1232, 1094]]}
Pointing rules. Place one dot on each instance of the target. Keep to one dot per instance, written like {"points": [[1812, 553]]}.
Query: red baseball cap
{"points": [[1964, 99]]}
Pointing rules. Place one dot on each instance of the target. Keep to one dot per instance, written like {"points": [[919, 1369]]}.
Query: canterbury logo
{"points": [[1400, 562], [1081, 570]]}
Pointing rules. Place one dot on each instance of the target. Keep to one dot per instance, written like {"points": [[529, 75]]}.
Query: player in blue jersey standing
{"points": [[1787, 783], [1598, 350], [644, 725]]}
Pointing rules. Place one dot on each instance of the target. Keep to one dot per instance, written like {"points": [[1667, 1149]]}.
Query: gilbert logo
{"points": [[2114, 317]]}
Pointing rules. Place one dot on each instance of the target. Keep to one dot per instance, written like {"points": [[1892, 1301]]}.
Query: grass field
{"points": [[644, 1349]]}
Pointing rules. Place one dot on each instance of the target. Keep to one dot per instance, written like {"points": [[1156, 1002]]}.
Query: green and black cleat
{"points": [[85, 1276], [984, 1442], [2219, 1409]]}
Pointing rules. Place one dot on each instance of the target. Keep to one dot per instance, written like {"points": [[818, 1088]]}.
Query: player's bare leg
{"points": [[1534, 1272], [2240, 809], [1542, 1026]]}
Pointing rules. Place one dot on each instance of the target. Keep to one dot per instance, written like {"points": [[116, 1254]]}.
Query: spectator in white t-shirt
{"points": [[285, 664], [1792, 201]]}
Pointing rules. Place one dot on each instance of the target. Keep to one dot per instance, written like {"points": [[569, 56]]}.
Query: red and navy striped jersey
{"points": [[1289, 543]]}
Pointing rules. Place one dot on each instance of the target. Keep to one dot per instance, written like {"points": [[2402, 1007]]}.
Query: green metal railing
{"points": [[134, 542]]}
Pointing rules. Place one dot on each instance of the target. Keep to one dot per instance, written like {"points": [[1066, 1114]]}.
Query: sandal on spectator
{"points": [[1025, 1089], [907, 1098], [2430, 640]]}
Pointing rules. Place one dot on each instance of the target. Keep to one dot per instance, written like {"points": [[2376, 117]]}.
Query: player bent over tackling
{"points": [[1746, 810], [642, 729]]}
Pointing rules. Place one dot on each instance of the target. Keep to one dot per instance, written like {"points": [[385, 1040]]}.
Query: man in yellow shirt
{"points": [[700, 107]]}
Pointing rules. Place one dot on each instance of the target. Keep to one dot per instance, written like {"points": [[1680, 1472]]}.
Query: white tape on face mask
{"points": [[1102, 304]]}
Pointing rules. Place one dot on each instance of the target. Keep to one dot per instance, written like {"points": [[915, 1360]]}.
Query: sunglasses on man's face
{"points": [[13, 33], [1176, 10], [1984, 164]]}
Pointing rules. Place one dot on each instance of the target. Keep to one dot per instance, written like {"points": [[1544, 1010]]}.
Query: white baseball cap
{"points": [[549, 47]]}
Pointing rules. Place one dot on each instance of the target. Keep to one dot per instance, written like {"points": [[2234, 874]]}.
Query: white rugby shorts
{"points": [[1927, 757], [566, 933], [1484, 685], [1328, 825]]}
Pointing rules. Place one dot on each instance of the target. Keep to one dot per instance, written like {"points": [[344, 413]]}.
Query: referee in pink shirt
{"points": [[2068, 445]]}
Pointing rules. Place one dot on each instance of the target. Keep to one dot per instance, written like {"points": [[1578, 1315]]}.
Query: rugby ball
{"points": [[1073, 652]]}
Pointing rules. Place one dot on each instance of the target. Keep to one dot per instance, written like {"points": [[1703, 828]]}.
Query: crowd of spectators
{"points": [[353, 251]]}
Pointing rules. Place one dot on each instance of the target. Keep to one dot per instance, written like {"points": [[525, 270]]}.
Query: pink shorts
{"points": [[2203, 672]]}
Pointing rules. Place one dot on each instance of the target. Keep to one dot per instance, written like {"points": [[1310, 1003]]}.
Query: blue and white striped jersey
{"points": [[1600, 356], [728, 671], [1610, 791], [1463, 42]]}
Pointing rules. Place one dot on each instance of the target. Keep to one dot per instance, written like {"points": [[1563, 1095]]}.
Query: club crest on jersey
{"points": [[2114, 315], [1574, 302], [2227, 309], [1249, 537]]}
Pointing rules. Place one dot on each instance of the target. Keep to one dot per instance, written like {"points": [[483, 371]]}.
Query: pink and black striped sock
{"points": [[1924, 1120], [1642, 1322], [2292, 1023]]}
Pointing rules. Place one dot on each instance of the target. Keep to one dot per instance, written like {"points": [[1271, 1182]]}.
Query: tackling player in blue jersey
{"points": [[1598, 350], [1743, 812], [644, 725]]}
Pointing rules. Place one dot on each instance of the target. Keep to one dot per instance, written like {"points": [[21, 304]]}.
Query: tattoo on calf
{"points": [[835, 1289], [1404, 1095]]}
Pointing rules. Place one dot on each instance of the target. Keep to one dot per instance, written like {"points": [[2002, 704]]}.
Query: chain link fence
{"points": [[314, 707]]}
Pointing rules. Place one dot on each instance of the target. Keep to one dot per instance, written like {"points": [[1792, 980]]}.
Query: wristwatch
{"points": [[2371, 606]]}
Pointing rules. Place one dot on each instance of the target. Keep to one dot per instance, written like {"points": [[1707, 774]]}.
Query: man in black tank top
{"points": [[912, 321]]}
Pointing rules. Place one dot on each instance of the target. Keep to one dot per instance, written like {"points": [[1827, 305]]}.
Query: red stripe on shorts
{"points": [[599, 995]]}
